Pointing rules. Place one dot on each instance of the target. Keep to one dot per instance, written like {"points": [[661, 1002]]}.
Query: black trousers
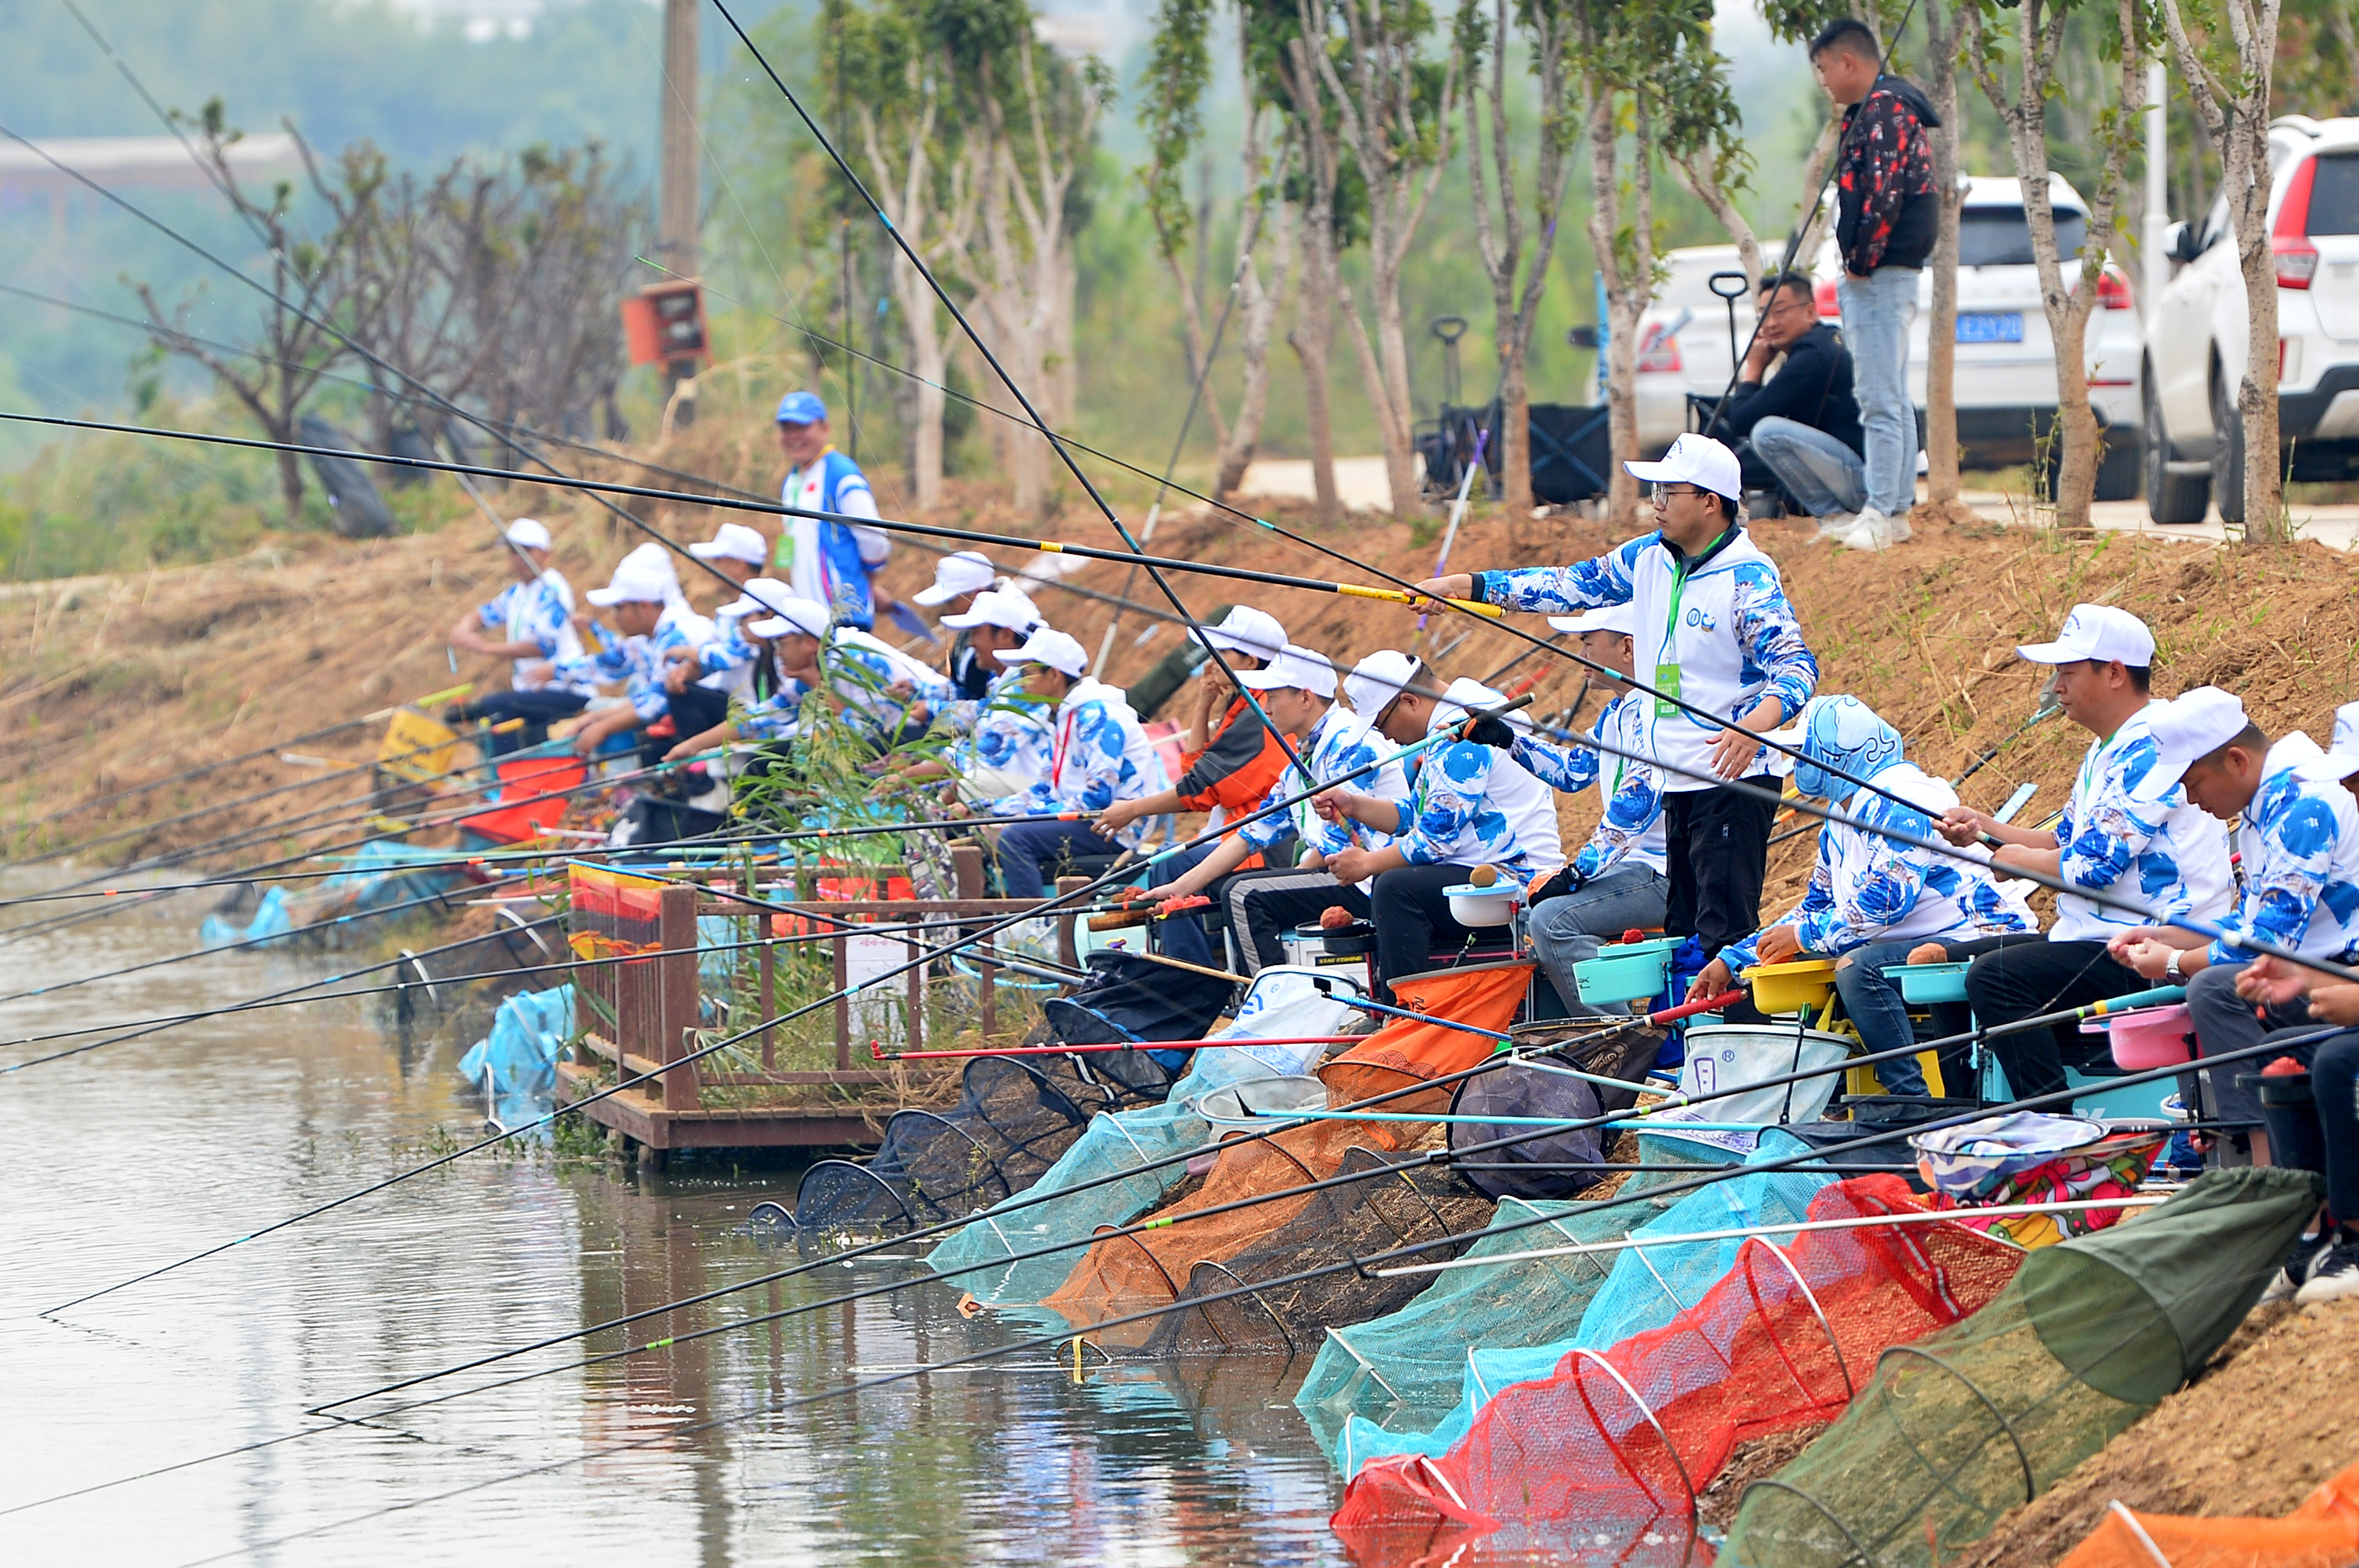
{"points": [[1955, 1017], [1412, 918], [1717, 843], [1265, 906], [2028, 979], [695, 711], [538, 709]]}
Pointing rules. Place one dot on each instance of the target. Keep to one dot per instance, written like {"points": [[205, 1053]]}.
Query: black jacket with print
{"points": [[1885, 211]]}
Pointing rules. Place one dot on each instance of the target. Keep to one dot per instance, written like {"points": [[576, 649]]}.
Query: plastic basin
{"points": [[1623, 974], [1930, 982], [1492, 905], [1799, 987], [2150, 1037]]}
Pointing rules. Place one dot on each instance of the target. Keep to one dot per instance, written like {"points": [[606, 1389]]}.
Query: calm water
{"points": [[136, 1154]]}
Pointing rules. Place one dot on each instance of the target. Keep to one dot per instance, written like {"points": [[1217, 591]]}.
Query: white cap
{"points": [[764, 596], [732, 542], [1378, 679], [1254, 633], [530, 533], [1057, 650], [1697, 460], [807, 616], [2341, 760], [969, 571], [1622, 617], [1295, 668], [2186, 730], [1466, 695], [633, 583], [1009, 611], [2097, 631]]}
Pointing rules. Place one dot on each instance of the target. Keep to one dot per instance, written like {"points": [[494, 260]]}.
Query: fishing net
{"points": [[1628, 1292], [1950, 1433], [1284, 1004], [1551, 1164], [2323, 1532], [1128, 1273], [1620, 1442]]}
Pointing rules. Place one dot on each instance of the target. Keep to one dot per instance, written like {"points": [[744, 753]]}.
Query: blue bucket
{"points": [[1924, 983], [1625, 973]]}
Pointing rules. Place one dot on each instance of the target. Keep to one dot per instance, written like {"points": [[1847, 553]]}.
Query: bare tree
{"points": [[1517, 281], [314, 279], [2229, 79], [2022, 107], [1330, 213]]}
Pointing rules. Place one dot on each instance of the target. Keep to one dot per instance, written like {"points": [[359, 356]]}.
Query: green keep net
{"points": [[1953, 1431]]}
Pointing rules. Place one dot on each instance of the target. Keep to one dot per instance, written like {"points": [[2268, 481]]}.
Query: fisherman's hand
{"points": [[1484, 730], [676, 678], [1336, 806], [2272, 982], [902, 690], [1962, 825], [2118, 946], [2150, 959], [1353, 865], [2335, 1004], [687, 748], [1734, 751], [1714, 979], [584, 743], [1117, 817], [1778, 945], [1433, 590]]}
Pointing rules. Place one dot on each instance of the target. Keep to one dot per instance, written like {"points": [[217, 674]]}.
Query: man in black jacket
{"points": [[1887, 212], [1803, 422]]}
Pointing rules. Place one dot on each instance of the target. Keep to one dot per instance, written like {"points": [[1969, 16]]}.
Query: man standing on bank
{"points": [[1715, 633], [1885, 215]]}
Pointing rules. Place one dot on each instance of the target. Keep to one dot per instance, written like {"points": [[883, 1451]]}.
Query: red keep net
{"points": [[1618, 1443]]}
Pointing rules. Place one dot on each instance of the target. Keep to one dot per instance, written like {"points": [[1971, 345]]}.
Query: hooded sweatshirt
{"points": [[1886, 207], [1098, 755]]}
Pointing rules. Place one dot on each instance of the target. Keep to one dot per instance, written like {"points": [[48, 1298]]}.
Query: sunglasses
{"points": [[1659, 492]]}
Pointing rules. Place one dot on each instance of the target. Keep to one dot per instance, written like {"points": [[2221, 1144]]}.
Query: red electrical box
{"points": [[664, 323]]}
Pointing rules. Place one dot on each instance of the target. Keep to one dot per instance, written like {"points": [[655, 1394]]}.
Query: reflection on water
{"points": [[142, 1152]]}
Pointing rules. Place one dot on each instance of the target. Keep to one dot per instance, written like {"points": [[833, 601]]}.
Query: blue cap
{"points": [[801, 408]]}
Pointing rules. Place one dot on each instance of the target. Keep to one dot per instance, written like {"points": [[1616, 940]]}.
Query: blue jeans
{"points": [[1876, 316], [1819, 471], [1875, 1009], [1569, 930], [1029, 850]]}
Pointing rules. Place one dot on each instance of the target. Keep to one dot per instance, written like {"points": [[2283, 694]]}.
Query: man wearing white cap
{"points": [[1335, 745], [988, 620], [2298, 839], [877, 688], [1229, 763], [654, 619], [1098, 755], [827, 559], [1721, 658], [2149, 848], [1468, 806], [704, 680], [735, 551], [534, 617], [1003, 746]]}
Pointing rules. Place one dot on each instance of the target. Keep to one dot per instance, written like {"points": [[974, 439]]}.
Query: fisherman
{"points": [[1715, 633], [1801, 424], [534, 619], [703, 681], [1098, 755], [1873, 895], [830, 561], [1888, 214], [873, 684], [2151, 848], [654, 619], [2323, 1265], [2297, 840], [1298, 690], [959, 581], [1616, 883], [1466, 808], [1002, 736]]}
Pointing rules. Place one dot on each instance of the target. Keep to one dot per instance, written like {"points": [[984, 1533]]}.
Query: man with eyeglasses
{"points": [[1721, 660], [1803, 422]]}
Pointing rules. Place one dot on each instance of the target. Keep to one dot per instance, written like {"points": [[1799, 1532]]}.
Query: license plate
{"points": [[1990, 327]]}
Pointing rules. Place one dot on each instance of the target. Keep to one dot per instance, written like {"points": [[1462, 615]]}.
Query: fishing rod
{"points": [[628, 1081], [1052, 1342]]}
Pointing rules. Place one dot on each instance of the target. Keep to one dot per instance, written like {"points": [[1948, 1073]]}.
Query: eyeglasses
{"points": [[1659, 492]]}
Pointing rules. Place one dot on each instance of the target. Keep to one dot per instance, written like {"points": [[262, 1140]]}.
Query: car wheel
{"points": [[2227, 452], [2120, 472], [2170, 497]]}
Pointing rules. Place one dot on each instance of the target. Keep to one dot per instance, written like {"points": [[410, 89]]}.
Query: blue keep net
{"points": [[1385, 1387], [382, 874], [517, 1062]]}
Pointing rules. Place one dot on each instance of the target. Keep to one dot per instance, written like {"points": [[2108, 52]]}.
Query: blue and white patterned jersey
{"points": [[639, 662], [539, 612], [1011, 734], [1629, 830], [860, 669], [1098, 755], [2299, 840], [1868, 887], [1337, 747], [2163, 853], [1738, 638], [725, 662]]}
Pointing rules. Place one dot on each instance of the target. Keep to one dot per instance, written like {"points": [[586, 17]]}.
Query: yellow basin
{"points": [[1799, 987]]}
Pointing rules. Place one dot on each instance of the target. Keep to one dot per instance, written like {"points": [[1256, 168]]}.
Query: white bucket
{"points": [[1723, 1056]]}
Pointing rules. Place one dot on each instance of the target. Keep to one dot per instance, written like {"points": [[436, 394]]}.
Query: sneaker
{"points": [[2335, 1276], [2299, 1265], [1874, 530], [1835, 524]]}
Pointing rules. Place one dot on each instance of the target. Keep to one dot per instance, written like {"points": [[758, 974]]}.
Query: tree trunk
{"points": [[926, 357], [1942, 331], [1626, 288], [1516, 430], [290, 476], [1313, 336], [1258, 307], [1199, 349], [1814, 174], [2256, 394]]}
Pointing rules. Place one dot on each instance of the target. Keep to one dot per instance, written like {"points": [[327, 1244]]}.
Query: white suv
{"points": [[2195, 449], [2005, 375]]}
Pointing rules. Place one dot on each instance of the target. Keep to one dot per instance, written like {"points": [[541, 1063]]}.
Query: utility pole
{"points": [[679, 204]]}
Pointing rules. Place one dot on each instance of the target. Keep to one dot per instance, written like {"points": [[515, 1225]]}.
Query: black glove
{"points": [[1486, 730]]}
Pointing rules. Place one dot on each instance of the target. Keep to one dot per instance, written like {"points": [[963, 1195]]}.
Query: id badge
{"points": [[1667, 683]]}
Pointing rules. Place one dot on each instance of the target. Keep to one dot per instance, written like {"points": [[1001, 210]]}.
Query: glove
{"points": [[1486, 730]]}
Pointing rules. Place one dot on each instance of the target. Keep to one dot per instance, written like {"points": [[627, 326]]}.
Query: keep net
{"points": [[1620, 1442]]}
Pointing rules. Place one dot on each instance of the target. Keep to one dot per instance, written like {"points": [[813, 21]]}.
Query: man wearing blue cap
{"points": [[831, 562]]}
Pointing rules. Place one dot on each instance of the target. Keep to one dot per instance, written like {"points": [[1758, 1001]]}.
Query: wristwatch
{"points": [[2170, 969]]}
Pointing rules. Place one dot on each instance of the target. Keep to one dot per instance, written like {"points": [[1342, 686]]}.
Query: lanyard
{"points": [[1679, 592]]}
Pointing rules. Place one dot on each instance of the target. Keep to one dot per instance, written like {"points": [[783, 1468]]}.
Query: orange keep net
{"points": [[1124, 1274], [2321, 1533], [1617, 1443]]}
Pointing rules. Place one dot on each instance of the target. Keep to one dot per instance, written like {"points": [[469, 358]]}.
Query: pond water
{"points": [[138, 1153]]}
